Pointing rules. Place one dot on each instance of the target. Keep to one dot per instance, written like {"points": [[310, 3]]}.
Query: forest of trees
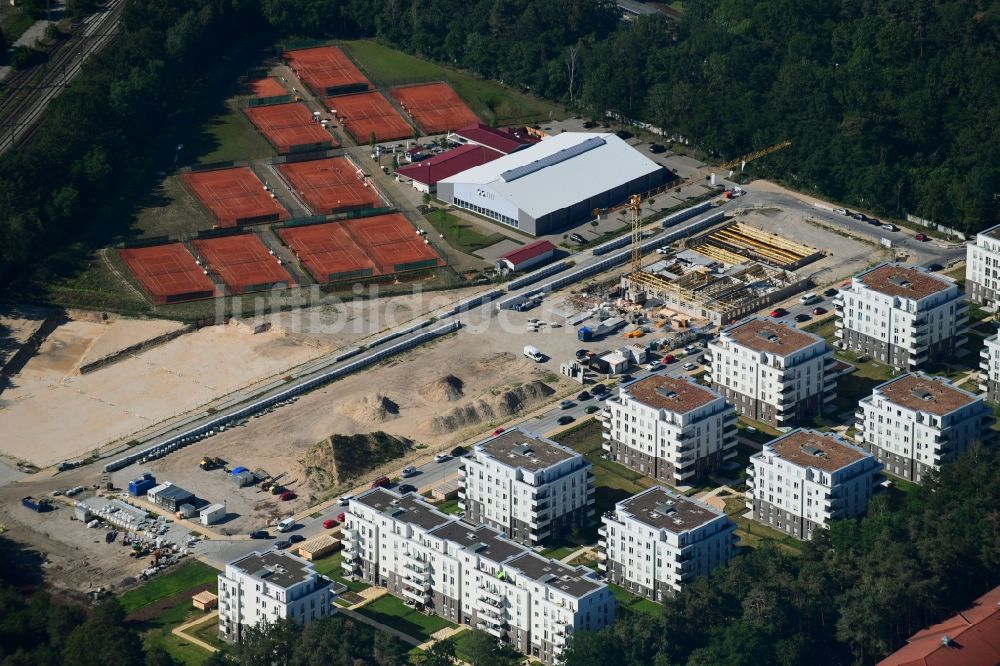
{"points": [[891, 105], [854, 595]]}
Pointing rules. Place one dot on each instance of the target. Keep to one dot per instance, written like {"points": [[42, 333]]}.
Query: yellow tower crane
{"points": [[763, 152], [634, 205]]}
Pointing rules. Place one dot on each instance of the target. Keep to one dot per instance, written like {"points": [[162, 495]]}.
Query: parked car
{"points": [[890, 227], [287, 496], [330, 523], [627, 377], [577, 238], [690, 366], [831, 292], [662, 250], [657, 148], [583, 395], [934, 267], [282, 544], [498, 431], [802, 316], [819, 311], [342, 516], [344, 499], [624, 135], [459, 451], [406, 488], [779, 312], [565, 404], [654, 366], [590, 124], [296, 538], [581, 353], [922, 237], [599, 389], [669, 358], [565, 419], [260, 534], [441, 457], [591, 409], [408, 471], [380, 482], [874, 222], [840, 211]]}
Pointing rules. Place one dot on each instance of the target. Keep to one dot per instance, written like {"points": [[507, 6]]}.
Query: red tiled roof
{"points": [[529, 251], [973, 638], [505, 140], [448, 163]]}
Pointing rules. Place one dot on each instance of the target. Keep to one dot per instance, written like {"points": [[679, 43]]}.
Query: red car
{"points": [[669, 358], [497, 431], [921, 237], [330, 523], [380, 482], [819, 311], [342, 517], [779, 312], [287, 495]]}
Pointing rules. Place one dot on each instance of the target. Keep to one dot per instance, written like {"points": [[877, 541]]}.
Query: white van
{"points": [[808, 299], [286, 524], [533, 353]]}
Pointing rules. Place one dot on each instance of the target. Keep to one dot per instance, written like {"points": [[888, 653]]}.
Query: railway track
{"points": [[29, 93]]}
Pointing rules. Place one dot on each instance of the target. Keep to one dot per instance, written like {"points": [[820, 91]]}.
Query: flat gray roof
{"points": [[276, 568], [663, 509], [555, 574], [520, 448], [483, 539], [405, 508]]}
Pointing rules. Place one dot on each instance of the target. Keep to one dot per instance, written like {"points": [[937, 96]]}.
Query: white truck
{"points": [[286, 524], [533, 353]]}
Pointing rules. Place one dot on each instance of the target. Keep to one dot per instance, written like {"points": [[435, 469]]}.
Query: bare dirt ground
{"points": [[16, 326], [59, 414]]}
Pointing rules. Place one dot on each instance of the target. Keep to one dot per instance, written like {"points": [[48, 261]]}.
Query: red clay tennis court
{"points": [[234, 196], [168, 273], [326, 70], [364, 113], [328, 252], [266, 87], [435, 107], [242, 262], [290, 127], [392, 243], [330, 185]]}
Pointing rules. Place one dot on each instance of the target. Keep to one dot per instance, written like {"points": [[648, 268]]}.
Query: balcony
{"points": [[461, 494], [415, 565], [418, 596], [496, 632], [491, 593], [729, 453], [603, 565], [350, 566], [602, 531], [983, 387], [348, 535]]}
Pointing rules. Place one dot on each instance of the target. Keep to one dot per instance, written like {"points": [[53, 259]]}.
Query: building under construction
{"points": [[700, 287], [738, 243]]}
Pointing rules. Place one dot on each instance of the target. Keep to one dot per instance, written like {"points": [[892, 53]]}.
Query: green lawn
{"points": [[229, 135], [559, 552], [752, 534], [460, 234], [171, 210], [462, 651], [394, 613], [492, 102], [185, 576], [77, 276], [208, 631], [449, 506], [329, 566], [633, 602]]}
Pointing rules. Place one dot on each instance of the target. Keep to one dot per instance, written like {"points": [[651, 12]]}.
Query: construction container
{"points": [[243, 479], [141, 486], [185, 511], [212, 514]]}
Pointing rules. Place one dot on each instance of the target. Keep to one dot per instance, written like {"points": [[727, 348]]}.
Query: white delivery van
{"points": [[286, 524], [532, 352], [808, 299]]}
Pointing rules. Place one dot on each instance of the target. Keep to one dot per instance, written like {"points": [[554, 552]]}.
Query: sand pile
{"points": [[370, 409], [443, 389], [501, 404]]}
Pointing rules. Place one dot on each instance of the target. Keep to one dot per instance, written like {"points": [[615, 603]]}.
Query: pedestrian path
{"points": [[181, 631]]}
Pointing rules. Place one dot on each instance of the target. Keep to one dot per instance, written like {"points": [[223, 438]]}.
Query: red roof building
{"points": [[426, 173], [971, 638], [526, 256], [507, 140]]}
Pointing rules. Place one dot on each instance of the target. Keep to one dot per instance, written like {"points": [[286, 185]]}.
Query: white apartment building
{"points": [[529, 487], [773, 372], [916, 423], [266, 586], [982, 268], [902, 315], [989, 368], [472, 575], [656, 542], [802, 480], [670, 429]]}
